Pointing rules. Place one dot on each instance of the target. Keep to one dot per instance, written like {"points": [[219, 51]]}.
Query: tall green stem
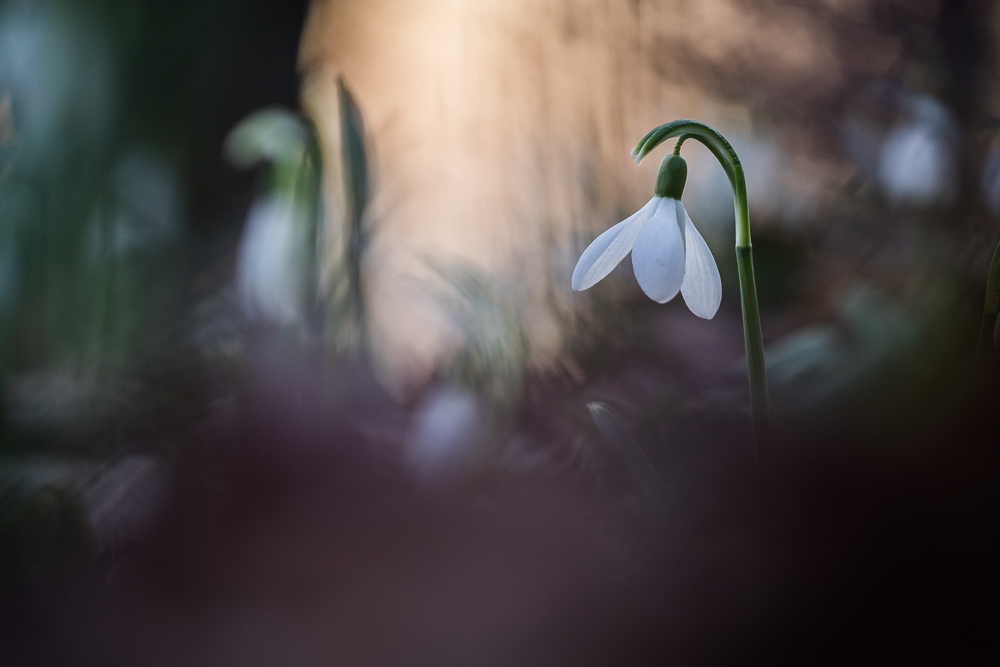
{"points": [[724, 153], [990, 310]]}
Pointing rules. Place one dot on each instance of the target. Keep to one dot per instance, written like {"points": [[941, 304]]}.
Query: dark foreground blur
{"points": [[290, 531], [214, 452]]}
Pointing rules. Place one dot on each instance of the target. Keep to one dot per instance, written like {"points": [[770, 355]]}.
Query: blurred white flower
{"points": [[275, 264], [446, 435], [916, 162], [57, 67], [668, 255], [269, 279]]}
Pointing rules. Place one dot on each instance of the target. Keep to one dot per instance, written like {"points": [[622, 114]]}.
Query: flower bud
{"points": [[672, 176]]}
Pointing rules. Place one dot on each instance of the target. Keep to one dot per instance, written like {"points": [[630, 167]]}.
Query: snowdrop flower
{"points": [[275, 273], [668, 253], [270, 280]]}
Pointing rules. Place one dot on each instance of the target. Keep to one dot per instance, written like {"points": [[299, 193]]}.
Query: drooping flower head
{"points": [[668, 253]]}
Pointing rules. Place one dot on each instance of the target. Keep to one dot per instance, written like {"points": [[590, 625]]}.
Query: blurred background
{"points": [[291, 371]]}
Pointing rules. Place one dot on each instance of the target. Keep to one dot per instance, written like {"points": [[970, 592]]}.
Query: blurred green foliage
{"points": [[112, 114]]}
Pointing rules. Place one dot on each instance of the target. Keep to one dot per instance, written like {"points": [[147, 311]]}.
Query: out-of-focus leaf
{"points": [[494, 355], [353, 152], [822, 368], [648, 482], [354, 156]]}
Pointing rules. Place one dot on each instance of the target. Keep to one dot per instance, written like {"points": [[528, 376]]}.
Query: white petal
{"points": [[702, 287], [608, 249], [269, 279], [658, 255]]}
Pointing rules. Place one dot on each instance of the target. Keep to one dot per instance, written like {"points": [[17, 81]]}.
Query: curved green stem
{"points": [[990, 310], [724, 153]]}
